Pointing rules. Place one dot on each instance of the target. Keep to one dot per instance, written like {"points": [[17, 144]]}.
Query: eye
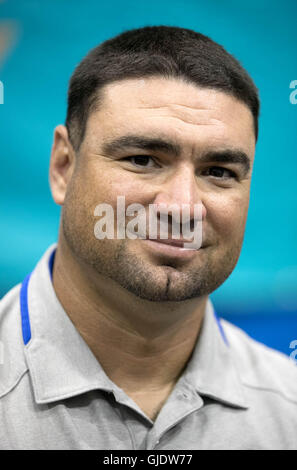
{"points": [[142, 161], [220, 172]]}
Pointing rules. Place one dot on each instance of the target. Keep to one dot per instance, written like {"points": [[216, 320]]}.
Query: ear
{"points": [[61, 164]]}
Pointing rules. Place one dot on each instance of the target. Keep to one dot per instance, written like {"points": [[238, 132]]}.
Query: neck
{"points": [[130, 337]]}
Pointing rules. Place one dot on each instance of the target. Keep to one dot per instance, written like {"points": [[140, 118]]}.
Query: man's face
{"points": [[210, 137]]}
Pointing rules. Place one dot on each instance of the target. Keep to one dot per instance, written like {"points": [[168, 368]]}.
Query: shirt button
{"points": [[183, 395]]}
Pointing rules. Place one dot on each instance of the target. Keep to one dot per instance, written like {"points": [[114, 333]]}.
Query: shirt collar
{"points": [[62, 365], [212, 370], [60, 362]]}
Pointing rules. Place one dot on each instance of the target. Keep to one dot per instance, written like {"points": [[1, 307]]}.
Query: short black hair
{"points": [[165, 51]]}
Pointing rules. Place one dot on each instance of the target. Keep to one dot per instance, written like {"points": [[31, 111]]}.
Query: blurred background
{"points": [[40, 44]]}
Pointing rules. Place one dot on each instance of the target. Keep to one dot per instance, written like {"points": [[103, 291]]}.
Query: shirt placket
{"points": [[182, 402], [137, 423]]}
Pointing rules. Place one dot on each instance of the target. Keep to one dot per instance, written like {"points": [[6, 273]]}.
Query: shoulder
{"points": [[12, 359], [261, 367]]}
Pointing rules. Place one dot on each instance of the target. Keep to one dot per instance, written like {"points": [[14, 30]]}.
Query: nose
{"points": [[181, 190]]}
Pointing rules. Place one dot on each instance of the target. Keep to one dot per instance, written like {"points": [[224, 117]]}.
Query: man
{"points": [[112, 342]]}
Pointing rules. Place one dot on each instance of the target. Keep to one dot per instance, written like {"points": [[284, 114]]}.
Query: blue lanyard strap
{"points": [[26, 329], [51, 263], [221, 328]]}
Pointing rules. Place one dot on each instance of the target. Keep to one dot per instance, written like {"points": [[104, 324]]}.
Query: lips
{"points": [[171, 242], [172, 249]]}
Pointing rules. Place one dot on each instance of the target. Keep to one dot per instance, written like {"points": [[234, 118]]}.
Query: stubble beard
{"points": [[165, 281], [168, 281]]}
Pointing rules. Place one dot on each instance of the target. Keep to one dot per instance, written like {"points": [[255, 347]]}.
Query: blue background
{"points": [[40, 44]]}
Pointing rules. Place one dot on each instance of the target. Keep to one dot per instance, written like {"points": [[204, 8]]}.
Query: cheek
{"points": [[227, 215], [132, 189], [106, 183]]}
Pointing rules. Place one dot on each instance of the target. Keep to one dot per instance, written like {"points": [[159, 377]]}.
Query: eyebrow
{"points": [[154, 144], [227, 156], [143, 143]]}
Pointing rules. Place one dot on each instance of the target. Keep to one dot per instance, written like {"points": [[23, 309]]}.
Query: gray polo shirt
{"points": [[235, 393]]}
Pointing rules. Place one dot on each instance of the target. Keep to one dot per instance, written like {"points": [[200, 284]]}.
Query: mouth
{"points": [[170, 248], [169, 241]]}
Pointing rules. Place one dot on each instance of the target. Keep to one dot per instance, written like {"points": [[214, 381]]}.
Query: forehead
{"points": [[161, 107]]}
